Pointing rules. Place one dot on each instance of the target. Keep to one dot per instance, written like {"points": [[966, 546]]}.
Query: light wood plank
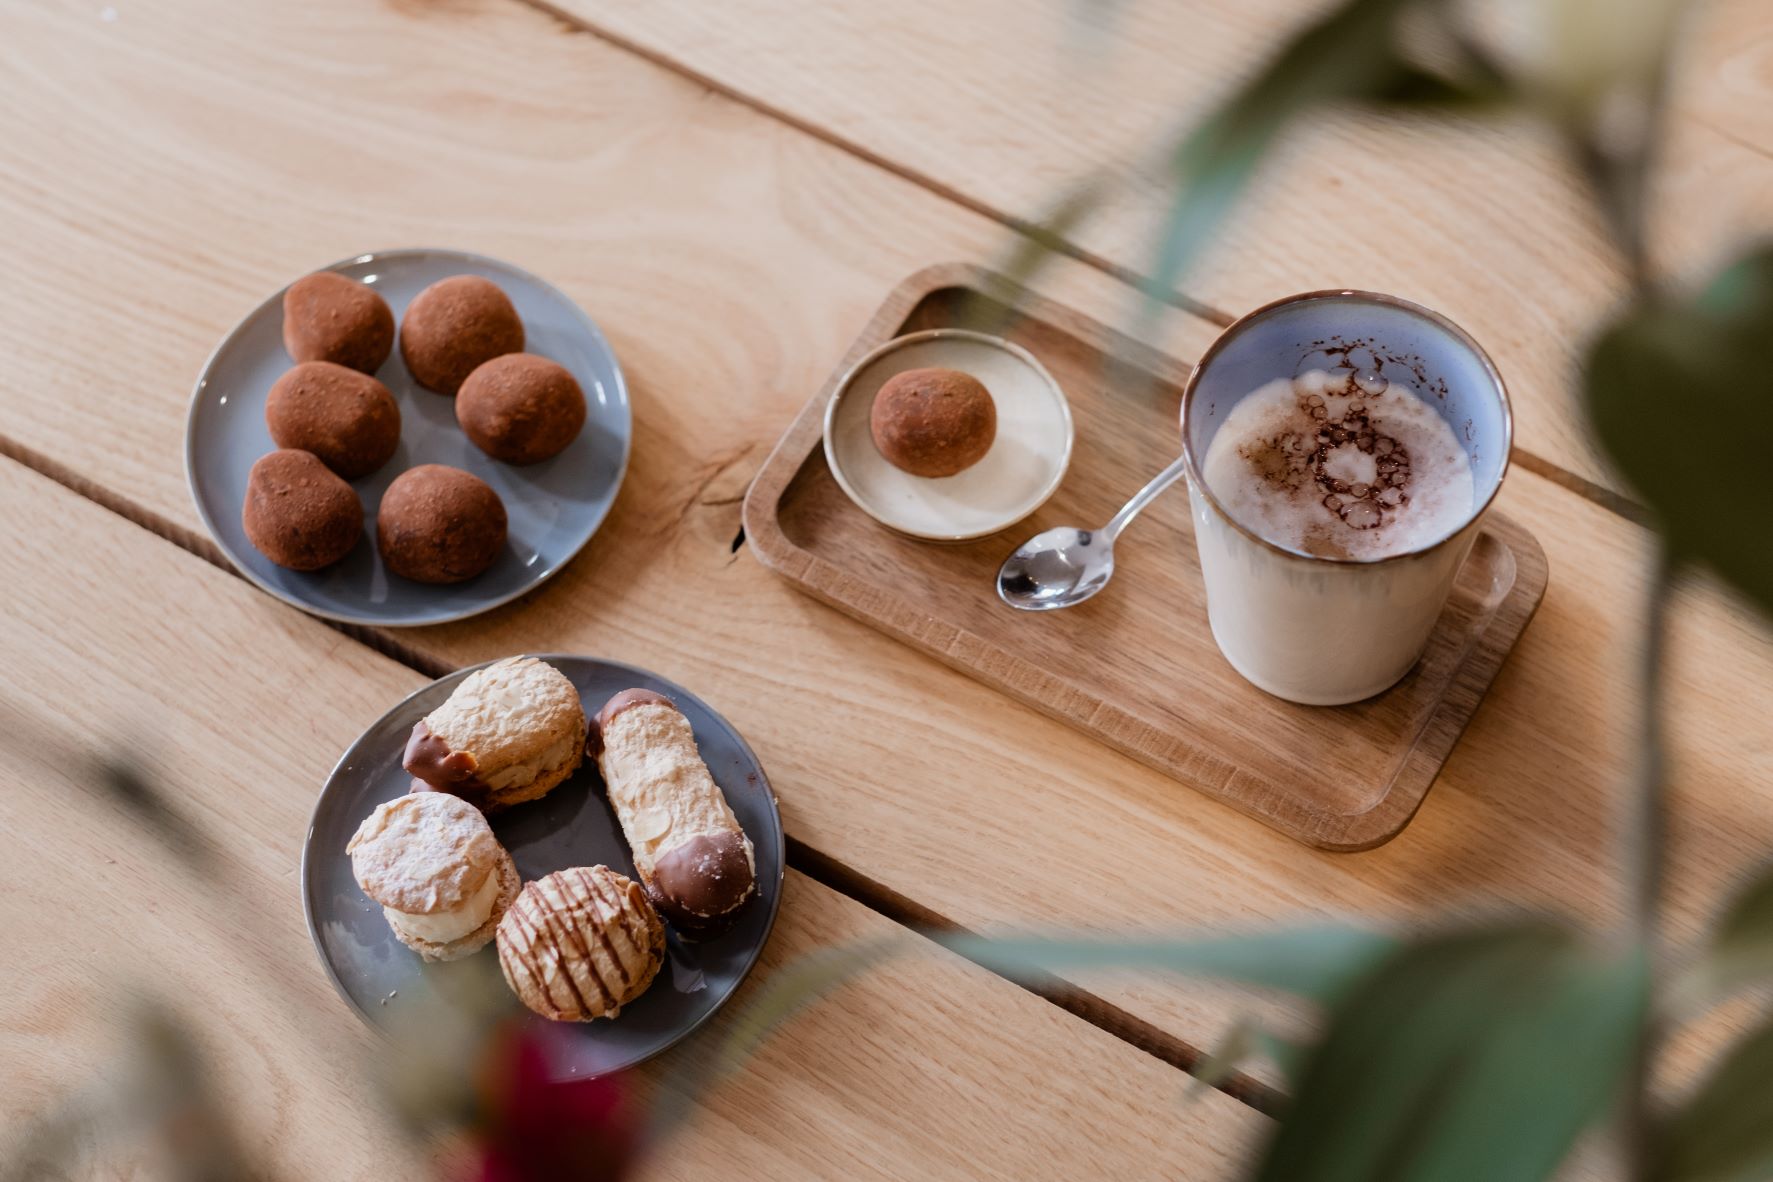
{"points": [[928, 1068], [1004, 102], [732, 261], [148, 216]]}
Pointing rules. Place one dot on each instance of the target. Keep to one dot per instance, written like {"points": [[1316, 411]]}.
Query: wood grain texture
{"points": [[731, 260], [1003, 103], [1138, 669], [929, 1068], [727, 258]]}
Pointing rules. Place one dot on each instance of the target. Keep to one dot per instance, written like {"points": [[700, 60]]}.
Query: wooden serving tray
{"points": [[1136, 666]]}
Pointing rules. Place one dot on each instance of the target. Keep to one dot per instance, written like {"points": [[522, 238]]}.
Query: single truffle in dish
{"points": [[580, 944], [453, 327], [442, 878], [348, 419], [933, 422], [331, 317], [521, 408], [439, 524], [695, 861], [508, 733], [298, 512]]}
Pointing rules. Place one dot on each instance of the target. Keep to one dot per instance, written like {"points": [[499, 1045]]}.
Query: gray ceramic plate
{"points": [[571, 826], [554, 506]]}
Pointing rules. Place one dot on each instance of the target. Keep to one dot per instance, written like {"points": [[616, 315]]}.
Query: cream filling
{"points": [[441, 927], [519, 774]]}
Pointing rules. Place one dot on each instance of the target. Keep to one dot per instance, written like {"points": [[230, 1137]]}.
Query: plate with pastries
{"points": [[595, 840], [408, 437]]}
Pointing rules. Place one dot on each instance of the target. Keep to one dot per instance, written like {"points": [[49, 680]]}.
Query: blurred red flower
{"points": [[535, 1128]]}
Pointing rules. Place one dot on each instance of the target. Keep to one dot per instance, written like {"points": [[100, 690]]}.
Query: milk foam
{"points": [[1340, 464]]}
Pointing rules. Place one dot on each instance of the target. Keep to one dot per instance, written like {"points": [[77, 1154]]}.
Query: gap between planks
{"points": [[813, 863], [1588, 490]]}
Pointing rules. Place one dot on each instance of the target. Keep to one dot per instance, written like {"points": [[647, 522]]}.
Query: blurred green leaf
{"points": [[1240, 1044], [1741, 951], [1681, 398], [1725, 1132], [1477, 1055], [1352, 53], [1247, 1040], [1315, 963], [1029, 249]]}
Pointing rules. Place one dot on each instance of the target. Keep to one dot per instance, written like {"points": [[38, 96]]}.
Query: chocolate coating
{"points": [[435, 768], [613, 707], [298, 512], [330, 317], [455, 326], [347, 418], [933, 422], [440, 525], [521, 408], [701, 884]]}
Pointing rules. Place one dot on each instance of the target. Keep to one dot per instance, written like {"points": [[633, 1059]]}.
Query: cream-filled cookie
{"points": [[509, 733], [442, 878], [581, 944], [695, 861]]}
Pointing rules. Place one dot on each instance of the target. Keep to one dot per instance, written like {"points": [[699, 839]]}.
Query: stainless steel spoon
{"points": [[1066, 565]]}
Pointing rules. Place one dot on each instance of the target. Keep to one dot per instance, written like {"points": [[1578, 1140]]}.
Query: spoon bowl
{"points": [[1065, 565], [1058, 568]]}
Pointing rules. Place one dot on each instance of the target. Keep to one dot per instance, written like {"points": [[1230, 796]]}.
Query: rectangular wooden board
{"points": [[1136, 666]]}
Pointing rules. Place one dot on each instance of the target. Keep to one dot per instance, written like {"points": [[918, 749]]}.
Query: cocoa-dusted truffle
{"points": [[440, 524], [299, 513], [329, 317], [455, 325], [521, 408], [933, 422], [346, 418]]}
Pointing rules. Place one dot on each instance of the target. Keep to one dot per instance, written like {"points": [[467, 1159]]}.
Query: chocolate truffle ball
{"points": [[346, 418], [521, 408], [454, 326], [933, 422], [298, 512], [440, 525], [329, 317]]}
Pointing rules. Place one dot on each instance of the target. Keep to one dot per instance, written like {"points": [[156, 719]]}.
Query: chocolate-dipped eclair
{"points": [[696, 863]]}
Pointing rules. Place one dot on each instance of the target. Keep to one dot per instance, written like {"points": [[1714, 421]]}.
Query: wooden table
{"points": [[730, 189]]}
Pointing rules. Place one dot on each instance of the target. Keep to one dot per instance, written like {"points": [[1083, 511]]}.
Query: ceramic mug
{"points": [[1326, 631]]}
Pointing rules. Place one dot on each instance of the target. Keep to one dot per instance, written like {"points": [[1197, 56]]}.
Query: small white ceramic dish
{"points": [[1026, 462]]}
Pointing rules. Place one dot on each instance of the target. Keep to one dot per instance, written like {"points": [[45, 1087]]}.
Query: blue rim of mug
{"points": [[1198, 484]]}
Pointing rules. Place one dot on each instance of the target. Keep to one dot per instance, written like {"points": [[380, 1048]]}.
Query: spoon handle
{"points": [[1141, 499]]}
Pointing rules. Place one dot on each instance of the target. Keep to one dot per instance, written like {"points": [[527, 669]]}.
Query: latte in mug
{"points": [[1340, 463]]}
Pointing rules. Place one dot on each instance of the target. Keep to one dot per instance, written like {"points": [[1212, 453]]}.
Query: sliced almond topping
{"points": [[651, 824]]}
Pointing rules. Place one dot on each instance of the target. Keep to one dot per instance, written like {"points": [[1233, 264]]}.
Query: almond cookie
{"points": [[455, 325], [298, 512], [581, 944], [438, 524], [332, 317], [695, 861], [347, 418], [509, 733], [442, 878], [933, 422]]}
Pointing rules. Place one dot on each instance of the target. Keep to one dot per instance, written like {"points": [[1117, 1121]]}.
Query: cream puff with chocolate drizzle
{"points": [[580, 944], [509, 733], [694, 860]]}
